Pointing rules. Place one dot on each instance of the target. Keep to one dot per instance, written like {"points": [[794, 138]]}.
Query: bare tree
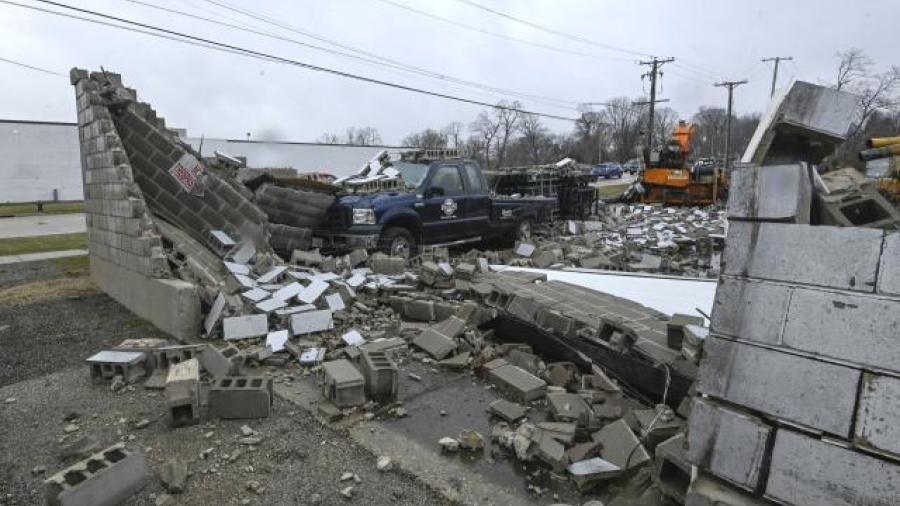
{"points": [[484, 130], [509, 117], [664, 121], [589, 131], [854, 65], [494, 130], [428, 139], [710, 139], [533, 135], [328, 138], [625, 119], [363, 136]]}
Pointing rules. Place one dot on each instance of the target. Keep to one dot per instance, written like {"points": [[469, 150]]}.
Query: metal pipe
{"points": [[877, 153], [881, 142]]}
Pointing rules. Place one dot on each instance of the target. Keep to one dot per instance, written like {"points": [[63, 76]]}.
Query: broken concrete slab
{"points": [[243, 327]]}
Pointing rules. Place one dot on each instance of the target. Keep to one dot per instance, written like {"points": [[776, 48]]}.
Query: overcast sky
{"points": [[225, 95]]}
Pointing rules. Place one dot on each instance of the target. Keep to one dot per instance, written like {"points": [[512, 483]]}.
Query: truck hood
{"points": [[374, 200]]}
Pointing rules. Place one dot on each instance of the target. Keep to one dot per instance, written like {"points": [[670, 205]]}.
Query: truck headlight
{"points": [[363, 216]]}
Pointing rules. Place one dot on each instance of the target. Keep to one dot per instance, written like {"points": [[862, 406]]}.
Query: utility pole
{"points": [[655, 63], [776, 59], [730, 85]]}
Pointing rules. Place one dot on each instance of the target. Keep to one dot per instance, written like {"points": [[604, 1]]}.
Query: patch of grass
{"points": [[41, 243], [28, 293], [48, 208], [73, 266], [613, 190]]}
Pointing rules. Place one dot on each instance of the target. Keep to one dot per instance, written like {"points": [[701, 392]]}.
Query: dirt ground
{"points": [[51, 319]]}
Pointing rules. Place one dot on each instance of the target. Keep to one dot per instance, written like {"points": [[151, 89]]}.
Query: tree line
{"points": [[616, 130]]}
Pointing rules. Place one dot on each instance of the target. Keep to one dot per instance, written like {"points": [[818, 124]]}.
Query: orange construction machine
{"points": [[668, 179]]}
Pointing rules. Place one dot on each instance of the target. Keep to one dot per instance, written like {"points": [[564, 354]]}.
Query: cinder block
{"points": [[727, 443], [419, 310], [877, 414], [809, 471], [889, 269], [517, 383], [183, 393], [856, 328], [342, 384], [434, 343], [771, 193], [105, 365], [381, 375], [165, 356], [705, 490], [671, 470], [836, 257], [752, 310], [675, 328], [106, 478], [817, 394], [221, 360], [236, 397]]}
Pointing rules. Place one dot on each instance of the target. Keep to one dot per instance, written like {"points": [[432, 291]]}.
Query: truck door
{"points": [[477, 215], [443, 205]]}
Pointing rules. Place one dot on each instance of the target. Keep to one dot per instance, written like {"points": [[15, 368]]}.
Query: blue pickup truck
{"points": [[434, 202]]}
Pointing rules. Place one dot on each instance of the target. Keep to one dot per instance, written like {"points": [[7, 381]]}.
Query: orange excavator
{"points": [[668, 179]]}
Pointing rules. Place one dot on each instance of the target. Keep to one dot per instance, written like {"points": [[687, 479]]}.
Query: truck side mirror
{"points": [[435, 191]]}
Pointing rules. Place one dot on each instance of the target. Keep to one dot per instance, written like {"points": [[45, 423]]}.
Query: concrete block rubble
{"points": [[179, 240], [589, 391], [681, 241]]}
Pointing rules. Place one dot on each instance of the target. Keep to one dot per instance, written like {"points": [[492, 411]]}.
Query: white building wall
{"points": [[38, 157]]}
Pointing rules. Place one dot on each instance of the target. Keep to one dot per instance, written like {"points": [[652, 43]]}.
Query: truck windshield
{"points": [[412, 173]]}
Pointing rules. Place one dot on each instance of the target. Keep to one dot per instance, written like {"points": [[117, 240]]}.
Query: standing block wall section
{"points": [[799, 384], [126, 255], [241, 397], [105, 478]]}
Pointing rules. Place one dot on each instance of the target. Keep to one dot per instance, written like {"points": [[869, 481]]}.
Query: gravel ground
{"points": [[44, 387]]}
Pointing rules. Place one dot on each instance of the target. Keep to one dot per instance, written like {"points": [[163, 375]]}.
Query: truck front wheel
{"points": [[397, 241]]}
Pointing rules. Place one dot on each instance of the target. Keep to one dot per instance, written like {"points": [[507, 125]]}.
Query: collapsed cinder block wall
{"points": [[128, 156], [800, 380]]}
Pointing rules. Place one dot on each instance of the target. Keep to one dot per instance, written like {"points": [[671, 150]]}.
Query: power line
{"points": [[558, 33], [203, 42], [32, 67], [505, 37], [385, 62], [390, 62]]}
